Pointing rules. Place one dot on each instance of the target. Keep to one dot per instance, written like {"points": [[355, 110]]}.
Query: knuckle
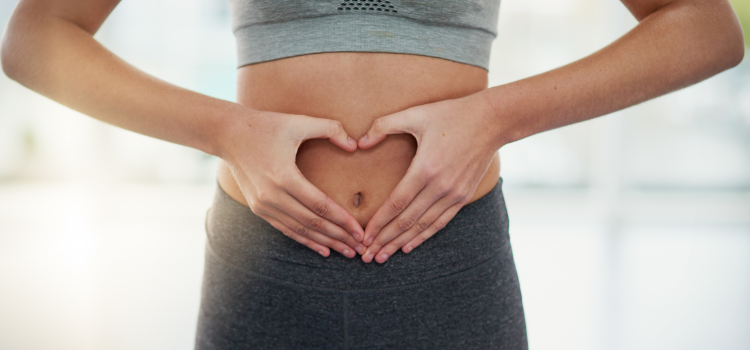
{"points": [[302, 231], [440, 224], [380, 124], [350, 241], [445, 188], [465, 198], [421, 226], [375, 246], [336, 127], [263, 197], [315, 224], [405, 223], [259, 209], [397, 206], [388, 249], [461, 195], [455, 195], [350, 227], [284, 180], [321, 208], [274, 174], [377, 227], [429, 170], [340, 247], [253, 203]]}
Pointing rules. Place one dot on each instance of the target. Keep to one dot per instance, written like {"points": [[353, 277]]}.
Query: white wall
{"points": [[631, 231]]}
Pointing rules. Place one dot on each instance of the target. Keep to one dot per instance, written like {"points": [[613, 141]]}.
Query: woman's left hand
{"points": [[456, 141]]}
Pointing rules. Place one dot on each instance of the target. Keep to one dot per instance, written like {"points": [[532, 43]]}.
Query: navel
{"points": [[357, 200]]}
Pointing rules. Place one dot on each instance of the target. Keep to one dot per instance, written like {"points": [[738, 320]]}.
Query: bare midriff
{"points": [[355, 88]]}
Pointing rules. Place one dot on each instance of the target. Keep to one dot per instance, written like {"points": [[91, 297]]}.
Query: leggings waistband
{"points": [[238, 237]]}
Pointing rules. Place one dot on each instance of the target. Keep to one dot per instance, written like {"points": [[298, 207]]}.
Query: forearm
{"points": [[673, 47], [62, 61]]}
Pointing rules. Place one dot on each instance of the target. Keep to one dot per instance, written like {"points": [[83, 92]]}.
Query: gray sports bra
{"points": [[457, 30]]}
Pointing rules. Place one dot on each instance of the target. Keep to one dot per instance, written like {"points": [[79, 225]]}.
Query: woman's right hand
{"points": [[260, 148]]}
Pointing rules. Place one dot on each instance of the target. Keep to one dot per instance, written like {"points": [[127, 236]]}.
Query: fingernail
{"points": [[408, 249], [363, 139], [384, 257], [370, 256], [351, 141], [357, 237], [346, 251], [360, 249], [321, 252], [369, 241]]}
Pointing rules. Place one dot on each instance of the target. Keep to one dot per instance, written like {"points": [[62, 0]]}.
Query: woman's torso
{"points": [[355, 88]]}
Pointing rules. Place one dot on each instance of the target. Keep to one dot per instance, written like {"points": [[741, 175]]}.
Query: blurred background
{"points": [[630, 231]]}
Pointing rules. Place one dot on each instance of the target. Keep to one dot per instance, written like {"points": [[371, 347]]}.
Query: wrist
{"points": [[498, 116], [227, 127]]}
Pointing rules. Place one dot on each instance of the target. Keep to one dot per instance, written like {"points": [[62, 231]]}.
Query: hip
{"points": [[477, 234], [262, 290]]}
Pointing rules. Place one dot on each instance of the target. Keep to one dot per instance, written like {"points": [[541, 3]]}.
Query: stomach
{"points": [[355, 88]]}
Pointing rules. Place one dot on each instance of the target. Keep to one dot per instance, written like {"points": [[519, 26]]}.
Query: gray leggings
{"points": [[458, 290]]}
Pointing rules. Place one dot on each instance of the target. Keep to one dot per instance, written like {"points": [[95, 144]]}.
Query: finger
{"points": [[333, 130], [321, 249], [397, 123], [302, 214], [297, 230], [424, 223], [411, 221], [436, 226], [401, 197], [317, 201]]}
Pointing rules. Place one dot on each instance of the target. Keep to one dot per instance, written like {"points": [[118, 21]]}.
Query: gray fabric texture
{"points": [[458, 290], [456, 30]]}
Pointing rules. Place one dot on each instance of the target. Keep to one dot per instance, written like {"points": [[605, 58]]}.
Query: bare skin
{"points": [[355, 89], [437, 112]]}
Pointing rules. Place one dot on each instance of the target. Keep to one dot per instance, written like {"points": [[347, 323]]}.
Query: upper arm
{"points": [[711, 25], [87, 14], [36, 22], [642, 8]]}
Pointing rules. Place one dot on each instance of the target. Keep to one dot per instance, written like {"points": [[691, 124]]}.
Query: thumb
{"points": [[398, 123], [332, 130]]}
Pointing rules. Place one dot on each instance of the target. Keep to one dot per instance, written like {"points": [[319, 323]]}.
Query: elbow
{"points": [[739, 56], [10, 54], [735, 51], [734, 42], [6, 59], [716, 36], [15, 59], [15, 47], [10, 70], [11, 45], [723, 50]]}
